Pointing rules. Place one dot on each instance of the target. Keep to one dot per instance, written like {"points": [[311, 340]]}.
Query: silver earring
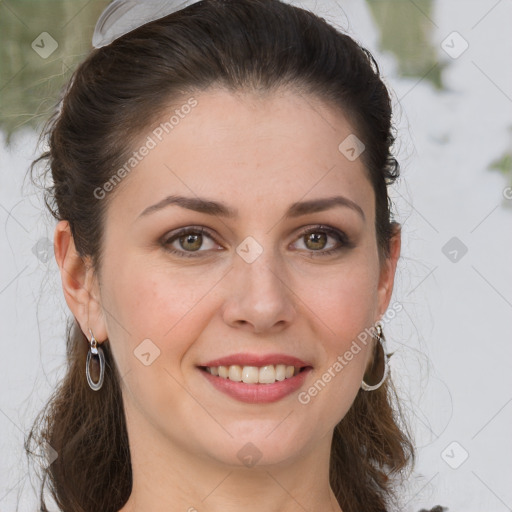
{"points": [[380, 364], [97, 351]]}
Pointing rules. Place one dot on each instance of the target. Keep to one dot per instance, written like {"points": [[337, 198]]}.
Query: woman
{"points": [[227, 251]]}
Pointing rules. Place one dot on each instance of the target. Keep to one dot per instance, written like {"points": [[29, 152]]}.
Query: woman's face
{"points": [[226, 276]]}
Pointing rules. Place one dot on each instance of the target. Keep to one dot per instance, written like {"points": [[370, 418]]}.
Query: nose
{"points": [[259, 297]]}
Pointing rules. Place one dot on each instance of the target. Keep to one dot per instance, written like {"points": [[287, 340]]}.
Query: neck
{"points": [[166, 478]]}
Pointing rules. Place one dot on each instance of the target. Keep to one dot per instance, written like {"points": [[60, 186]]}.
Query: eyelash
{"points": [[340, 236]]}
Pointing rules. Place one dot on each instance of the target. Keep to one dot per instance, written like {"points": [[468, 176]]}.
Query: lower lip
{"points": [[257, 393]]}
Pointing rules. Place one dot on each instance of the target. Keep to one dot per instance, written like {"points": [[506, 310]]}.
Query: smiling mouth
{"points": [[268, 374]]}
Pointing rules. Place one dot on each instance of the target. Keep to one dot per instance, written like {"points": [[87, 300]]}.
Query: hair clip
{"points": [[123, 16]]}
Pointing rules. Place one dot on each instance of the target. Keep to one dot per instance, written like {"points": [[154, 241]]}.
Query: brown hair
{"points": [[113, 96]]}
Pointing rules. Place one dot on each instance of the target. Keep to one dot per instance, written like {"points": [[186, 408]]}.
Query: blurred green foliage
{"points": [[503, 164], [30, 84], [405, 31]]}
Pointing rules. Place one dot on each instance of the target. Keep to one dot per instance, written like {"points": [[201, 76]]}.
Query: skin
{"points": [[269, 152]]}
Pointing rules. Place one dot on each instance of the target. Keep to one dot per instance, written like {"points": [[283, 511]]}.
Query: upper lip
{"points": [[257, 360]]}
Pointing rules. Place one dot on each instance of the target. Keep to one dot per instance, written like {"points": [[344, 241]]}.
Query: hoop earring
{"points": [[97, 351], [380, 363]]}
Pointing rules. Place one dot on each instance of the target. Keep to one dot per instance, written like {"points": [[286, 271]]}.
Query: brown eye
{"points": [[191, 242], [315, 241]]}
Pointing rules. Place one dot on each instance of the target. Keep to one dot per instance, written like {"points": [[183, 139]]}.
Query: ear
{"points": [[79, 283], [388, 269]]}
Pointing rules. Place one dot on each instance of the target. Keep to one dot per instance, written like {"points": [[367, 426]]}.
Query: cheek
{"points": [[335, 384], [346, 300], [145, 301], [342, 307], [156, 312]]}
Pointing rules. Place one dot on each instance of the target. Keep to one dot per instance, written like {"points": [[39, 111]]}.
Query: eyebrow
{"points": [[211, 207]]}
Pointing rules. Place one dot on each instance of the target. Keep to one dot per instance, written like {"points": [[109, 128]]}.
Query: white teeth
{"points": [[267, 374], [254, 374], [280, 372], [250, 374], [235, 373]]}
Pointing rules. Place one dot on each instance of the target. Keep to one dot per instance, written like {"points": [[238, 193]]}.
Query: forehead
{"points": [[248, 149]]}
